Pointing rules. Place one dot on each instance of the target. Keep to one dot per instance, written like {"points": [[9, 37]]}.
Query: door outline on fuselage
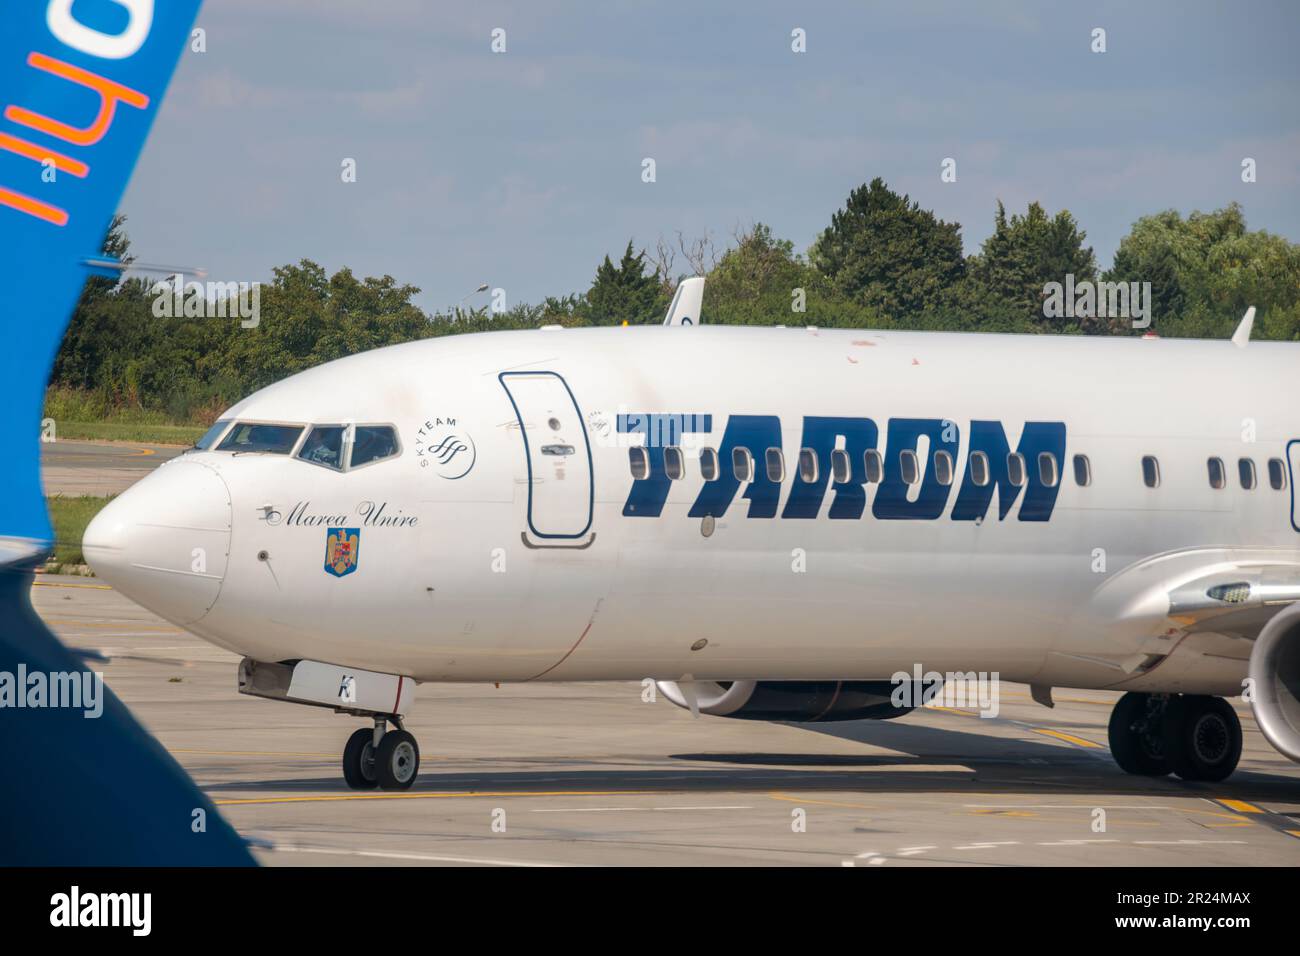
{"points": [[1292, 459], [528, 454]]}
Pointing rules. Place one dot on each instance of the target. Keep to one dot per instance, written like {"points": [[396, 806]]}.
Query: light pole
{"points": [[482, 288]]}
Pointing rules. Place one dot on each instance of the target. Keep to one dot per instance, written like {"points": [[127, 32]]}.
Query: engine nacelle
{"points": [[803, 701], [1275, 674]]}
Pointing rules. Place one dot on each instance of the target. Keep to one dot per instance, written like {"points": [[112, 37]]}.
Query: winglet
{"points": [[1242, 335], [685, 308]]}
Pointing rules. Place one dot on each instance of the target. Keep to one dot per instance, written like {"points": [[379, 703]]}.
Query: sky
{"points": [[523, 169]]}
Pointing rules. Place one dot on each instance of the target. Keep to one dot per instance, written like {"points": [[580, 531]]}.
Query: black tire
{"points": [[1136, 739], [397, 762], [1202, 737], [359, 761]]}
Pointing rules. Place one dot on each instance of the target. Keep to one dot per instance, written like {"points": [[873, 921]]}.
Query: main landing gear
{"points": [[388, 759], [1193, 736]]}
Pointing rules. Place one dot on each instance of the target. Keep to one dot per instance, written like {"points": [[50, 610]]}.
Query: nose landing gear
{"points": [[359, 761], [1194, 736], [388, 759]]}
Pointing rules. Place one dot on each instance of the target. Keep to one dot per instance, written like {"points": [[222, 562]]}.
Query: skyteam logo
{"points": [[917, 466], [445, 448]]}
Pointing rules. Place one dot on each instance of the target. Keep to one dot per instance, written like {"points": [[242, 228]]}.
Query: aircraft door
{"points": [[558, 458], [1293, 466]]}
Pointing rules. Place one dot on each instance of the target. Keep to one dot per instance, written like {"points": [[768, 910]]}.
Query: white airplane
{"points": [[772, 523]]}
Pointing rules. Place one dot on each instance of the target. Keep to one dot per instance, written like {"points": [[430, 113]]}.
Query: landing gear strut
{"points": [[1193, 736], [389, 759]]}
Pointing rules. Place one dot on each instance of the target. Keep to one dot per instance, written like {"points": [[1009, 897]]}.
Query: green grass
{"points": [[147, 433], [70, 517], [83, 415]]}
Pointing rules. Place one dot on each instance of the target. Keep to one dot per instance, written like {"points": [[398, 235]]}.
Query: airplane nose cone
{"points": [[164, 541]]}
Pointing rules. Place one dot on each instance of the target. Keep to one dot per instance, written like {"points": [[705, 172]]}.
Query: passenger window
{"points": [[1082, 471], [775, 465], [1218, 476], [1047, 472], [1246, 472], [742, 464], [840, 466], [807, 465], [261, 439], [1016, 469], [708, 464], [372, 443], [943, 467], [874, 464], [211, 435], [324, 446], [979, 468], [639, 461], [673, 465], [1276, 474], [1150, 471], [910, 467]]}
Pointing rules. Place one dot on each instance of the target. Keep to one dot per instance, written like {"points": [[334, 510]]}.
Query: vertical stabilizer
{"points": [[1242, 335], [685, 308]]}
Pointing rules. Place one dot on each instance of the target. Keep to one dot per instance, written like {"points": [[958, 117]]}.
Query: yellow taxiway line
{"points": [[64, 584], [1241, 806], [1068, 738]]}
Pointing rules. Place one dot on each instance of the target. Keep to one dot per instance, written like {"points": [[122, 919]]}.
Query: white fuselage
{"points": [[508, 539]]}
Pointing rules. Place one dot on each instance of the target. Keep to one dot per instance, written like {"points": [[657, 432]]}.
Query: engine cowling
{"points": [[1275, 676], [802, 701]]}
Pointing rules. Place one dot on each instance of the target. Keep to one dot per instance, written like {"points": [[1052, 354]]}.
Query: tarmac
{"points": [[98, 468], [596, 773]]}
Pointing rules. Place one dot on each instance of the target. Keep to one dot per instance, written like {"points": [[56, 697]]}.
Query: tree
{"points": [[1023, 254], [1206, 270], [884, 251], [309, 317], [883, 263], [625, 293], [762, 281], [91, 334], [758, 266]]}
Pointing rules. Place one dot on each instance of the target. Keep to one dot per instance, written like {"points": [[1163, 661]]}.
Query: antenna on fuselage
{"points": [[687, 686]]}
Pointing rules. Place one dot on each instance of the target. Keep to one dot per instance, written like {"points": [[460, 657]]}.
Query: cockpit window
{"points": [[211, 435], [324, 446], [371, 443], [261, 438]]}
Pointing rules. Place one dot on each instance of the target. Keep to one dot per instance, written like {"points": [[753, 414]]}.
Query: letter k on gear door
{"points": [[558, 459]]}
